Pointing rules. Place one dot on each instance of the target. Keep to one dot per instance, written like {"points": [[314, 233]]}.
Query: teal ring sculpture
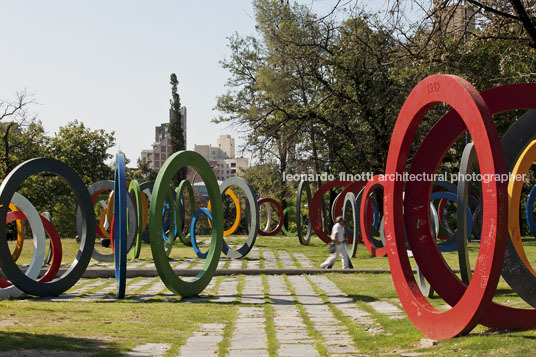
{"points": [[119, 230], [193, 237]]}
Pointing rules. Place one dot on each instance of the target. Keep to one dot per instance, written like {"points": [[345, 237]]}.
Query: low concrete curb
{"points": [[151, 273]]}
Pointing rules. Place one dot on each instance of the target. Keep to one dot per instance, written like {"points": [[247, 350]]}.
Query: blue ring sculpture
{"points": [[193, 239], [451, 245], [529, 211]]}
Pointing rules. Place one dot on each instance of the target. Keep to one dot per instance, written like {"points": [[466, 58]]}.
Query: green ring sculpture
{"points": [[304, 185], [185, 184], [172, 165], [134, 189], [287, 233]]}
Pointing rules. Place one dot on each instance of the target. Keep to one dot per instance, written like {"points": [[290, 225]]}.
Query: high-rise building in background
{"points": [[457, 19], [221, 158], [162, 144]]}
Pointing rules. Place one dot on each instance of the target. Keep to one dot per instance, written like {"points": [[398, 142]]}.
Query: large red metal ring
{"points": [[427, 158], [315, 209], [365, 212], [473, 302], [279, 212]]}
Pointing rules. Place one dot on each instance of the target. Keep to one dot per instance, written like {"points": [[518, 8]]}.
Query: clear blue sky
{"points": [[107, 63]]}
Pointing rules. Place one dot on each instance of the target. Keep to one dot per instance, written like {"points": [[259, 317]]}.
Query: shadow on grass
{"points": [[33, 341], [364, 298]]}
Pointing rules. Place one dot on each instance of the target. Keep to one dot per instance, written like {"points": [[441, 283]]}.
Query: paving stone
{"points": [[321, 316], [132, 287], [426, 342], [227, 291], [344, 303], [203, 342], [291, 331], [286, 260], [222, 262], [269, 259], [198, 264], [103, 292], [248, 340], [201, 298], [386, 308], [149, 349], [303, 260], [253, 259], [157, 287], [135, 264], [253, 291], [184, 264], [235, 264], [76, 292], [291, 350]]}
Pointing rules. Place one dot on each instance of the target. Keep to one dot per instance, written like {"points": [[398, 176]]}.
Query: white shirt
{"points": [[337, 233]]}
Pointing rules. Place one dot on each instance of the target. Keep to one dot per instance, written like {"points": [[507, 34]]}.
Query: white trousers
{"points": [[339, 250]]}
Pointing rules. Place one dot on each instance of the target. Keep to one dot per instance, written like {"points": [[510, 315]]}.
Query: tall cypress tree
{"points": [[176, 131]]}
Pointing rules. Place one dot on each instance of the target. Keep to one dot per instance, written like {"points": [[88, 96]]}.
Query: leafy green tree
{"points": [[144, 172], [85, 151]]}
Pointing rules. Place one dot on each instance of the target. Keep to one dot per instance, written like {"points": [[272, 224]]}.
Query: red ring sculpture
{"points": [[471, 303], [54, 267], [428, 157], [315, 209], [365, 212], [279, 211]]}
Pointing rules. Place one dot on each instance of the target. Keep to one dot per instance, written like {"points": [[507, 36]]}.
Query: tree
{"points": [[176, 131], [144, 172], [84, 150], [22, 136]]}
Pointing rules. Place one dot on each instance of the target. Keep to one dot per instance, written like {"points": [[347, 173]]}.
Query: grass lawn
{"points": [[113, 328]]}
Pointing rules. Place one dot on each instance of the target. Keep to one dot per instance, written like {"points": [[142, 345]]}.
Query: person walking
{"points": [[338, 236]]}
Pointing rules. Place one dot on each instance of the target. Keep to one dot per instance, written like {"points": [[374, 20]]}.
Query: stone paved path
{"points": [[335, 335], [291, 331], [314, 320], [345, 304], [249, 336]]}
